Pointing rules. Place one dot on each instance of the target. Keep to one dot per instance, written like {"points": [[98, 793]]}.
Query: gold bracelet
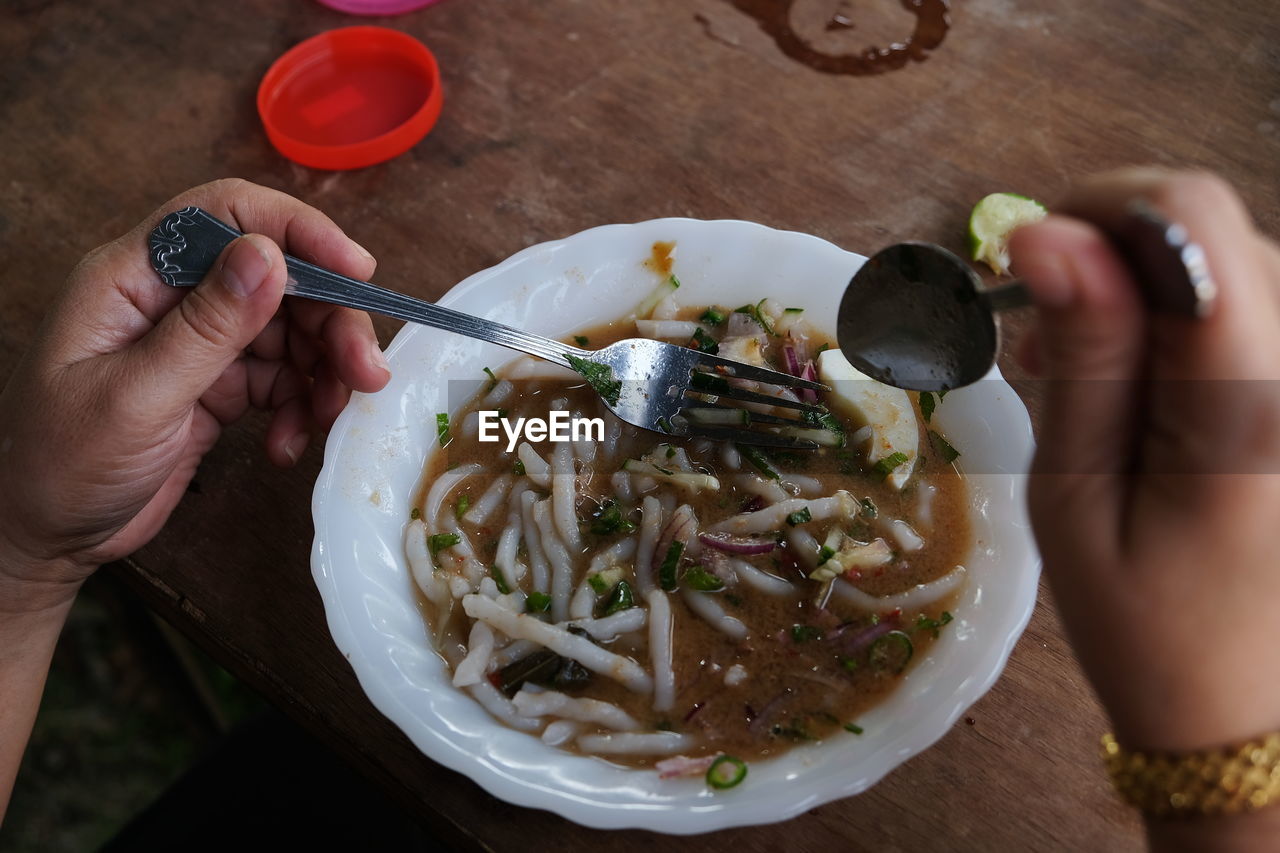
{"points": [[1213, 782]]}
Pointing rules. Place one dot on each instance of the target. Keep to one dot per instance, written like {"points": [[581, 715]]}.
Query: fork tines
{"points": [[756, 374]]}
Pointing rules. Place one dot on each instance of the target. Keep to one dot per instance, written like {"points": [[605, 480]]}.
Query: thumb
{"points": [[194, 343]]}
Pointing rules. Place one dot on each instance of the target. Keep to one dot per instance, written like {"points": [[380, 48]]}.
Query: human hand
{"points": [[130, 382], [1155, 493]]}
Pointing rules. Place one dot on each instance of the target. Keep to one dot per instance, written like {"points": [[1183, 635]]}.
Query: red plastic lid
{"points": [[350, 98]]}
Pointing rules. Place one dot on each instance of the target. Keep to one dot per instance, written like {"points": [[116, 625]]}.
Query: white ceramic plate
{"points": [[375, 456]]}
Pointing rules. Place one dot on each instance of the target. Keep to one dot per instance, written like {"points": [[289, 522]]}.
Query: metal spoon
{"points": [[917, 316]]}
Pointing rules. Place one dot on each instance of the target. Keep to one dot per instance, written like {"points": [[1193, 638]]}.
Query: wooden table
{"points": [[563, 114]]}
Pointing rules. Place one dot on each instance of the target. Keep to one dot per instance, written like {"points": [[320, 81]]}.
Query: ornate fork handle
{"points": [[186, 243]]}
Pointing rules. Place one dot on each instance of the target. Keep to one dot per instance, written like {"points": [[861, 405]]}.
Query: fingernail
{"points": [[362, 250], [1049, 279], [295, 446], [377, 358], [245, 267]]}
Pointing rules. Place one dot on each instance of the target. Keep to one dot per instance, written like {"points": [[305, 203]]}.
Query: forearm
{"points": [[28, 635]]}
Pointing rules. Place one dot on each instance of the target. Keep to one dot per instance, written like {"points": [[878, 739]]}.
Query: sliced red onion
{"points": [[808, 372], [682, 526], [684, 767], [789, 360], [737, 544], [800, 343]]}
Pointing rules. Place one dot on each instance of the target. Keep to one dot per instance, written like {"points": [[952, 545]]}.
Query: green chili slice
{"points": [[667, 571], [621, 599], [702, 580], [726, 772], [892, 652]]}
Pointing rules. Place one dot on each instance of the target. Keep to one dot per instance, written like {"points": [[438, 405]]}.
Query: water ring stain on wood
{"points": [[774, 17]]}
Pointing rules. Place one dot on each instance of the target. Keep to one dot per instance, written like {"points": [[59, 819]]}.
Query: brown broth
{"points": [[797, 689]]}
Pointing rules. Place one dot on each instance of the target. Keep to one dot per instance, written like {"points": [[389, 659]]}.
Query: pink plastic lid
{"points": [[376, 7]]}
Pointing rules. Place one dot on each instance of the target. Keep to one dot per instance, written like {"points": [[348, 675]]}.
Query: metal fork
{"points": [[654, 385]]}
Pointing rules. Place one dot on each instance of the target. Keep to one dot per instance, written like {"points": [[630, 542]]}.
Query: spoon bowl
{"points": [[915, 316]]}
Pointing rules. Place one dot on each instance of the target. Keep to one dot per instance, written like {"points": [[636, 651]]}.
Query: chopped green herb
{"points": [[853, 727], [598, 376], [705, 342], [442, 429], [675, 282], [415, 513], [825, 553], [868, 508], [599, 584], [609, 519], [439, 541], [667, 571], [702, 580], [943, 447], [886, 465], [942, 394], [800, 516], [924, 623], [537, 602], [499, 580], [621, 599], [892, 652], [664, 425], [518, 468], [757, 458], [822, 349], [671, 451], [711, 317], [461, 507], [726, 772], [708, 382], [927, 402], [493, 381], [805, 633], [794, 730], [581, 340], [848, 663], [792, 310]]}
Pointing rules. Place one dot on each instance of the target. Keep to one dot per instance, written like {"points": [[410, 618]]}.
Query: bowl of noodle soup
{"points": [[372, 482]]}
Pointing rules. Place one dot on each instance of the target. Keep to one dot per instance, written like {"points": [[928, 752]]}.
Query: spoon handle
{"points": [[1007, 296]]}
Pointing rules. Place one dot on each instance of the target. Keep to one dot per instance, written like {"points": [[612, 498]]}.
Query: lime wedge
{"points": [[993, 220]]}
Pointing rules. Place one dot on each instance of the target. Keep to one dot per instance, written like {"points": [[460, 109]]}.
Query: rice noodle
{"points": [[479, 512], [535, 467], [667, 329], [583, 601], [710, 610], [470, 427], [541, 572], [803, 545], [508, 542], [730, 456], [436, 589], [564, 496], [512, 652], [754, 484], [917, 598], [612, 434], [440, 490], [636, 743], [479, 651], [774, 517], [924, 504], [610, 627], [498, 395], [761, 580], [492, 700], [619, 552], [551, 702], [520, 626], [650, 519], [620, 482], [905, 535], [803, 485], [558, 557], [661, 650], [560, 732], [462, 555]]}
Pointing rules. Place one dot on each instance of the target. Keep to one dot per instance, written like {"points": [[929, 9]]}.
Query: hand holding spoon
{"points": [[916, 316]]}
